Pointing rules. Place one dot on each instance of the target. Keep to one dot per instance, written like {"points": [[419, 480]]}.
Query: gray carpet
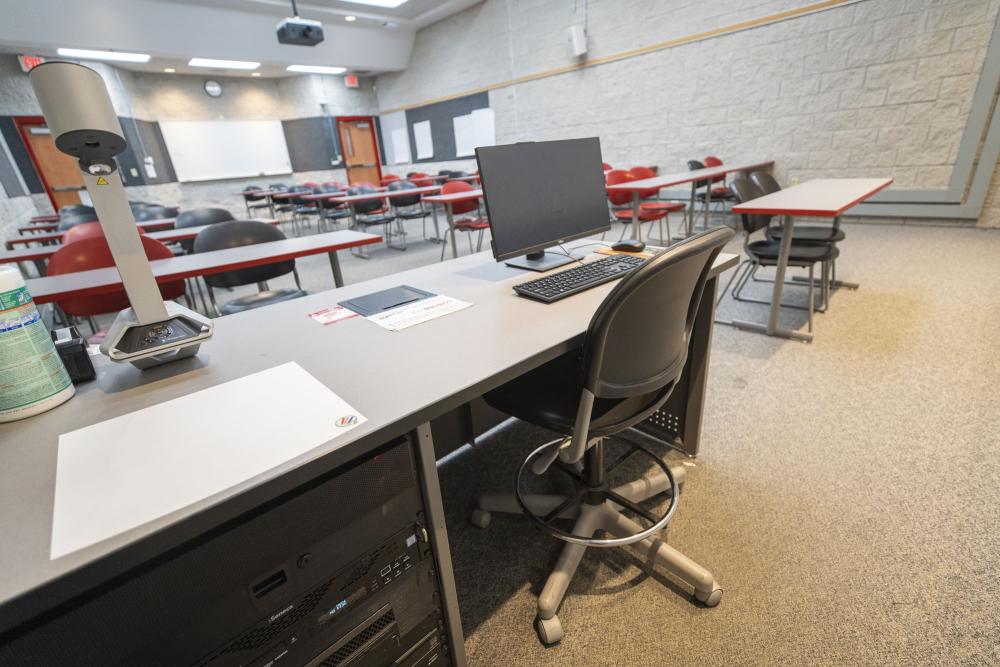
{"points": [[847, 496]]}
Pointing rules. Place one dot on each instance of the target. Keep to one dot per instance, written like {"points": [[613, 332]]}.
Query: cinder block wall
{"points": [[870, 88]]}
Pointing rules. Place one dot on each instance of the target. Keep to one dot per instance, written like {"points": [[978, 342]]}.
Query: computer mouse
{"points": [[629, 245]]}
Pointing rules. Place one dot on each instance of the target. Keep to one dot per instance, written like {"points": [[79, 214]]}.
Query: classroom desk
{"points": [[51, 217], [267, 194], [500, 337], [148, 225], [102, 281], [680, 178], [44, 251], [447, 201], [822, 197]]}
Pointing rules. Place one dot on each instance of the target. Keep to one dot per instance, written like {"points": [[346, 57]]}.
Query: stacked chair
{"points": [[407, 206], [620, 204]]}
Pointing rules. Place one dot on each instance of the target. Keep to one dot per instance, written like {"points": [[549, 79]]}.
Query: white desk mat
{"points": [[124, 472]]}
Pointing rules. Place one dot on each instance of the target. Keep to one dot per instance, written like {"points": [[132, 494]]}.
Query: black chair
{"points": [[407, 207], [765, 252], [302, 209], [632, 357], [371, 213], [716, 194], [77, 210], [254, 202], [156, 213], [800, 233], [237, 233], [198, 217], [330, 211]]}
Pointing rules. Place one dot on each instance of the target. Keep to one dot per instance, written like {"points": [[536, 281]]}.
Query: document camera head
{"points": [[78, 111]]}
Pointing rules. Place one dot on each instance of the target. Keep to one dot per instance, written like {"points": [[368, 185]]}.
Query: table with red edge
{"points": [[102, 281], [657, 183], [822, 197], [148, 225], [268, 194], [51, 217], [384, 194], [447, 201]]}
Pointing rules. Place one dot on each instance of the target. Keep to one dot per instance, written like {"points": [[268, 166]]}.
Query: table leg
{"points": [[689, 218], [451, 230], [430, 489], [708, 200], [338, 276], [636, 229], [773, 327], [270, 205]]}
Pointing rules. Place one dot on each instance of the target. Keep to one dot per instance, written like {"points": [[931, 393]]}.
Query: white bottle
{"points": [[32, 376]]}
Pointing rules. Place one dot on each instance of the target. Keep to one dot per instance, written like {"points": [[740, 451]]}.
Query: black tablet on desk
{"points": [[377, 302]]}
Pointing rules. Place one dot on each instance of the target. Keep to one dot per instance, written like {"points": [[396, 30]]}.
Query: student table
{"points": [[657, 183], [148, 225], [822, 197], [500, 337], [102, 281]]}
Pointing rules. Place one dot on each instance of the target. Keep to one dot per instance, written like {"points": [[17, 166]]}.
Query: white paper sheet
{"points": [[424, 140], [465, 138], [400, 146], [424, 310], [127, 471], [484, 127]]}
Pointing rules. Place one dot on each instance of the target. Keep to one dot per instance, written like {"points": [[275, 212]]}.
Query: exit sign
{"points": [[29, 62], [351, 81]]}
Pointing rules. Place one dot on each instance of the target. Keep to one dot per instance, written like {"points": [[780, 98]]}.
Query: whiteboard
{"points": [[205, 150]]}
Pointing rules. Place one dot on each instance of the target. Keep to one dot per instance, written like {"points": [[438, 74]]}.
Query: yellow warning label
{"points": [[102, 181]]}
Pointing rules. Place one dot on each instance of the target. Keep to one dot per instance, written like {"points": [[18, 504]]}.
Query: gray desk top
{"points": [[464, 355]]}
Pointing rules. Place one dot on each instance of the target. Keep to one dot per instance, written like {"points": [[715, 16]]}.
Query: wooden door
{"points": [[360, 150], [60, 173]]}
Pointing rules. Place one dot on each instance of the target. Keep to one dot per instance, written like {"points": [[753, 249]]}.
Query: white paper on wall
{"points": [[424, 140], [400, 146]]}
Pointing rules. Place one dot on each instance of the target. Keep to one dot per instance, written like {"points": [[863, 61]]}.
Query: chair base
{"points": [[590, 518]]}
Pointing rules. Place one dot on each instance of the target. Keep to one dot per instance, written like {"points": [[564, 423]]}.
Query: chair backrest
{"points": [[196, 217], [388, 178], [304, 189], [248, 193], [615, 177], [765, 182], [69, 221], [156, 213], [277, 186], [94, 253], [401, 201], [644, 172], [367, 206], [420, 179], [695, 165], [455, 187], [444, 172], [637, 342], [712, 161], [76, 210], [745, 191], [606, 166], [236, 233]]}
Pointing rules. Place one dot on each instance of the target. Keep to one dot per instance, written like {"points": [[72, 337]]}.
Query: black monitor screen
{"points": [[539, 194]]}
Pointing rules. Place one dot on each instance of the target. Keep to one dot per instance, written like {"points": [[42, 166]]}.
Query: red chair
{"points": [[389, 178], [720, 193], [94, 253], [421, 179], [656, 204], [607, 167], [621, 204], [475, 223]]}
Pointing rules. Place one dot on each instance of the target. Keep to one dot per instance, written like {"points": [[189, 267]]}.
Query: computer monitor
{"points": [[541, 194]]}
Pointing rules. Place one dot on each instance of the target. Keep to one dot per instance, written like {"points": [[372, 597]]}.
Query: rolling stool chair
{"points": [[632, 357]]}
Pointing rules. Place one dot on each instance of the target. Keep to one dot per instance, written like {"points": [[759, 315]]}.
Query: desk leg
{"points": [[773, 327], [338, 277], [708, 200], [689, 218], [431, 491], [636, 229], [451, 230], [437, 229], [270, 205]]}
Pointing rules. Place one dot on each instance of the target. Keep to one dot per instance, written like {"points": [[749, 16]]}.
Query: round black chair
{"points": [[800, 233], [330, 211], [76, 210], [67, 221], [254, 202], [407, 207], [372, 212], [632, 358], [300, 208], [198, 217], [236, 233], [155, 212]]}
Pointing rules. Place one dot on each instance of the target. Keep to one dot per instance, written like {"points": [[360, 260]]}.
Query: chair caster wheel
{"points": [[480, 518], [549, 630], [710, 599]]}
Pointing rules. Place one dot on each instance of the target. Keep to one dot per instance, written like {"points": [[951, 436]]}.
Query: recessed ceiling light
{"points": [[169, 70], [316, 69], [254, 73], [378, 3], [350, 18], [223, 64], [105, 55]]}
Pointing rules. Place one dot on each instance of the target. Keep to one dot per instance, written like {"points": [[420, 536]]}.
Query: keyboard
{"points": [[564, 283]]}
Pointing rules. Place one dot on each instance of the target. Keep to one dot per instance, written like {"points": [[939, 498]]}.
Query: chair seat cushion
{"points": [[667, 206], [472, 223], [306, 210], [261, 299], [767, 252], [717, 193], [645, 214], [375, 220], [809, 233], [412, 215], [549, 396]]}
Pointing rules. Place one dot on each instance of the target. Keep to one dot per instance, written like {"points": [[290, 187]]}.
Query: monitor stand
{"points": [[539, 261]]}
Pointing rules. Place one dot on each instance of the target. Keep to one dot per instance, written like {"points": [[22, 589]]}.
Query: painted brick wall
{"points": [[872, 88]]}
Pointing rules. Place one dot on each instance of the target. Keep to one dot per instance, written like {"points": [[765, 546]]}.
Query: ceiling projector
{"points": [[303, 32]]}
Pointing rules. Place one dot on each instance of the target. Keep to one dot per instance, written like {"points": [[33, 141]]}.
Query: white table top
{"points": [[681, 177], [825, 197]]}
